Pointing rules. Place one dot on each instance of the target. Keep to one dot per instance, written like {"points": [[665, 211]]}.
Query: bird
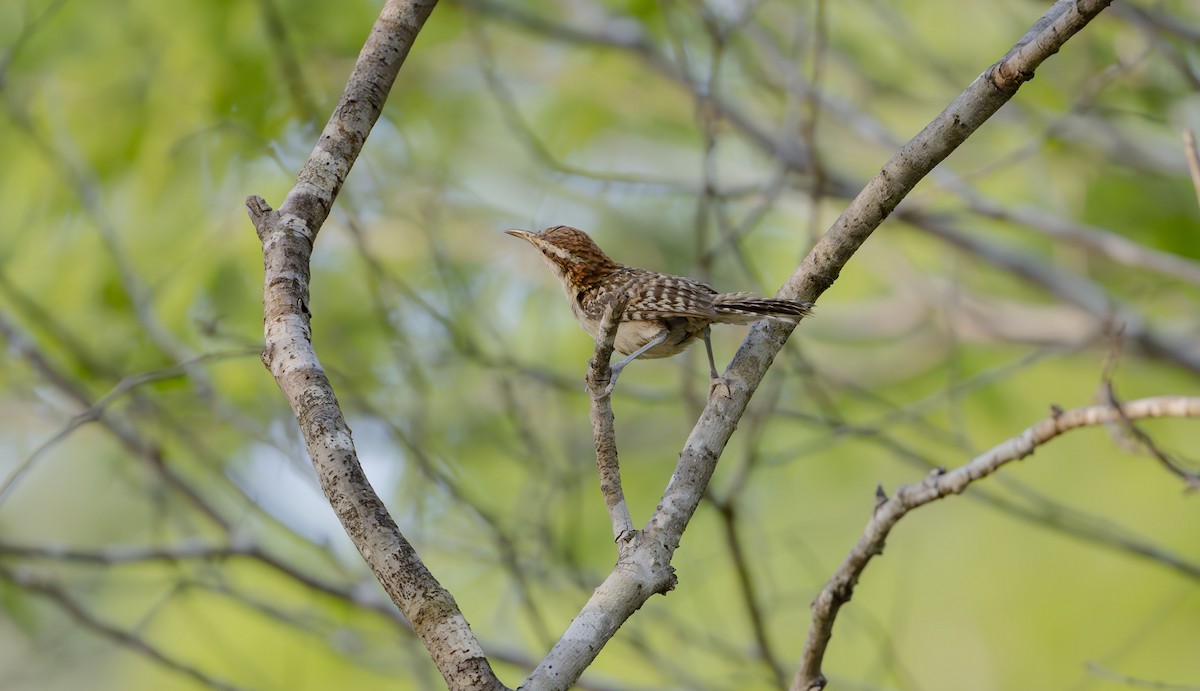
{"points": [[665, 314]]}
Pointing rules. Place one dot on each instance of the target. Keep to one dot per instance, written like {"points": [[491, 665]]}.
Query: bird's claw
{"points": [[608, 388], [613, 373], [718, 387]]}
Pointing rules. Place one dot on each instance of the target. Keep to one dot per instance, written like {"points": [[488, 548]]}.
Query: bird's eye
{"points": [[579, 297]]}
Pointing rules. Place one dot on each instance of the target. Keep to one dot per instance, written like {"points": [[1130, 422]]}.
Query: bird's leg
{"points": [[615, 370], [712, 364], [717, 384]]}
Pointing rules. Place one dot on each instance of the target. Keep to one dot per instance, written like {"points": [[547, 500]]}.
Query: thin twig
{"points": [[1193, 159], [939, 484], [603, 432], [1072, 289], [149, 451], [1126, 426], [1135, 682], [121, 637], [1089, 237], [94, 412], [728, 512]]}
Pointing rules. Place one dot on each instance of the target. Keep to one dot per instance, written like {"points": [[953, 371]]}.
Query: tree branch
{"points": [[287, 237], [939, 484]]}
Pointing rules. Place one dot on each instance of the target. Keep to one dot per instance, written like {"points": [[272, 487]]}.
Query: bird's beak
{"points": [[523, 234]]}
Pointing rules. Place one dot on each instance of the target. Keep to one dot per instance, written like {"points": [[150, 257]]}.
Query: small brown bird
{"points": [[665, 313]]}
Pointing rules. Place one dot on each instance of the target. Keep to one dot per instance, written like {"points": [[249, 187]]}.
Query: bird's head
{"points": [[570, 253]]}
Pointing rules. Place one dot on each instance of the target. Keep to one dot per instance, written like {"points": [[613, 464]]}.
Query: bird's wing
{"points": [[658, 296]]}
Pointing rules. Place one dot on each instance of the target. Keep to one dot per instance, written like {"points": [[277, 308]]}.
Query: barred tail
{"points": [[743, 308]]}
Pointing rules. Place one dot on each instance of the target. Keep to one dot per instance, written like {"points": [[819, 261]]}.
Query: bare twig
{"points": [[940, 484], [150, 452], [1041, 511], [93, 412], [351, 594], [728, 512], [729, 508], [1124, 425], [1193, 159], [1088, 237], [533, 142], [121, 637], [1076, 290], [809, 128], [83, 182], [1137, 683], [289, 65], [603, 432]]}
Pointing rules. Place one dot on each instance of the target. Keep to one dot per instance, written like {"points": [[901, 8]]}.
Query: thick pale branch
{"points": [[362, 101], [698, 460], [643, 569], [603, 431], [287, 238], [940, 484]]}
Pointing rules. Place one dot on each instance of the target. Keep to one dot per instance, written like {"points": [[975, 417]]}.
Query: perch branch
{"points": [[603, 432]]}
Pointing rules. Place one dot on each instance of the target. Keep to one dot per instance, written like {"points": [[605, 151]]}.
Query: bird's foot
{"points": [[589, 385], [614, 372]]}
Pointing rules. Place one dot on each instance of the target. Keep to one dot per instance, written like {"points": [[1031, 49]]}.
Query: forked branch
{"points": [[645, 569]]}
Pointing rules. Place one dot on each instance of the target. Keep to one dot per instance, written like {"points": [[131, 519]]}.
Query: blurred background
{"points": [[161, 527]]}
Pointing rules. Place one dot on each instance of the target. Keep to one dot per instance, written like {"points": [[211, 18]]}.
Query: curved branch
{"points": [[287, 237], [940, 484]]}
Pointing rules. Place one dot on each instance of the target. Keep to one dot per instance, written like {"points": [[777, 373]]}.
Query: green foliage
{"points": [[133, 131], [1153, 207]]}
